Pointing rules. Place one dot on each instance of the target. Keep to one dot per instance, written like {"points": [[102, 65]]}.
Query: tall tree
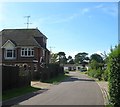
{"points": [[98, 58], [70, 60], [62, 58], [54, 58], [96, 61], [81, 57]]}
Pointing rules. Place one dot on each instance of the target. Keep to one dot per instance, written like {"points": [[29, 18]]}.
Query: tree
{"points": [[62, 58], [96, 61], [81, 58], [98, 58], [54, 58], [70, 60]]}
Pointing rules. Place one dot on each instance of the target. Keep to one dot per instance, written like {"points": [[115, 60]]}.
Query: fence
{"points": [[12, 79], [48, 72]]}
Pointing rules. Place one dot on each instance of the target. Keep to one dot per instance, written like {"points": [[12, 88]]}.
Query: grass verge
{"points": [[17, 92], [58, 79]]}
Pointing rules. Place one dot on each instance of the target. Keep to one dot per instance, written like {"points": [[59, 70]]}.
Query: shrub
{"points": [[105, 75], [114, 76], [95, 73], [51, 71], [98, 74]]}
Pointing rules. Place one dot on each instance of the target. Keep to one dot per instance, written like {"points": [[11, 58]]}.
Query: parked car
{"points": [[83, 69]]}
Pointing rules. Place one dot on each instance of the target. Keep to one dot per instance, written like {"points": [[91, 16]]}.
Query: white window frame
{"points": [[6, 52], [27, 50]]}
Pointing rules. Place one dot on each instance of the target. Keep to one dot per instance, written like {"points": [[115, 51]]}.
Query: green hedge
{"points": [[114, 76], [96, 73], [50, 71]]}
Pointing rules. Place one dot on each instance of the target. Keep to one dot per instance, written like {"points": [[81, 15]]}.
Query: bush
{"points": [[51, 71], [98, 74], [95, 73], [105, 75], [114, 76], [91, 72]]}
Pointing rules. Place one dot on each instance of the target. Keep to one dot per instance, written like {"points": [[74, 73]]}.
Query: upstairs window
{"points": [[27, 52], [9, 54]]}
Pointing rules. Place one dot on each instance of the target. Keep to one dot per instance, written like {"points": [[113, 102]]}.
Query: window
{"points": [[10, 54], [27, 52]]}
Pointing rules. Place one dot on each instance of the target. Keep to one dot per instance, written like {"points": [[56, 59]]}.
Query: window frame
{"points": [[13, 54], [27, 52]]}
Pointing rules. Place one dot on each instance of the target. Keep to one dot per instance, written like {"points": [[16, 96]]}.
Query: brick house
{"points": [[24, 47]]}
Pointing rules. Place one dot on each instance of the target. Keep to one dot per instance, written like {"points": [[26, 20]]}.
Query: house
{"points": [[77, 67], [24, 47], [70, 67]]}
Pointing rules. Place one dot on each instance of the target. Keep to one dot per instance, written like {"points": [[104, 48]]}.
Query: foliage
{"points": [[105, 75], [54, 58], [70, 60], [57, 79], [51, 71], [81, 57], [96, 66], [114, 76], [62, 58], [95, 73], [96, 57]]}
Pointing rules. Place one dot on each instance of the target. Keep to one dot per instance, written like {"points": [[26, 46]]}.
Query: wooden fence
{"points": [[11, 78]]}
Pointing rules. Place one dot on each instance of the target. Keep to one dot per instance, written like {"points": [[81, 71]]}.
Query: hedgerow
{"points": [[114, 76]]}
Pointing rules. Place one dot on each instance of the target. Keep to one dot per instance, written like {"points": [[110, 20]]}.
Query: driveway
{"points": [[76, 90]]}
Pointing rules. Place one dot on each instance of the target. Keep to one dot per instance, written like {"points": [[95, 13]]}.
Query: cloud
{"points": [[55, 19], [113, 10], [110, 9], [85, 10], [99, 6]]}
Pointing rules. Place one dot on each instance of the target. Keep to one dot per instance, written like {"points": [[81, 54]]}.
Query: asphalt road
{"points": [[77, 90]]}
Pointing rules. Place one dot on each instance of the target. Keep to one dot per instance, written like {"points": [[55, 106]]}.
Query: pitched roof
{"points": [[21, 37]]}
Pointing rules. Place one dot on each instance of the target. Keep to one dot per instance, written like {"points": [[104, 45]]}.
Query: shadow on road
{"points": [[15, 101], [72, 79]]}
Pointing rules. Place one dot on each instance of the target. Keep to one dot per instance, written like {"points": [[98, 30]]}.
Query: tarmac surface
{"points": [[79, 89]]}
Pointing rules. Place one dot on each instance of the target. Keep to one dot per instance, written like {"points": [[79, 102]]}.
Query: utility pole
{"points": [[27, 17], [51, 49], [51, 52]]}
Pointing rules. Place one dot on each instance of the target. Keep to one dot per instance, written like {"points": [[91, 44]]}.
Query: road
{"points": [[77, 90]]}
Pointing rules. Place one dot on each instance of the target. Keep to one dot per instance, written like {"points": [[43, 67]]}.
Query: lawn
{"points": [[17, 92]]}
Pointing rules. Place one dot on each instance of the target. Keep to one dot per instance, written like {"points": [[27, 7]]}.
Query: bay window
{"points": [[27, 52]]}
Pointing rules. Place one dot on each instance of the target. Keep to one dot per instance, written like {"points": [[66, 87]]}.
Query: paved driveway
{"points": [[77, 90]]}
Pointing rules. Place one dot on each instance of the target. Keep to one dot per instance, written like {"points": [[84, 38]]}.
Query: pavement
{"points": [[104, 88], [51, 91]]}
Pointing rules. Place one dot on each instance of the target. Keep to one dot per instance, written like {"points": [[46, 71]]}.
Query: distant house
{"points": [[77, 67], [24, 47]]}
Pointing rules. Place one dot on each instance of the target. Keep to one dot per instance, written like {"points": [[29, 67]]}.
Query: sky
{"points": [[71, 27]]}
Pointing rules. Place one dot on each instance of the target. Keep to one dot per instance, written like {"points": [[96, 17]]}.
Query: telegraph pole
{"points": [[27, 17], [51, 52]]}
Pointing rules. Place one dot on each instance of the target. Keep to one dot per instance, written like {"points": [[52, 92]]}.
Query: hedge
{"points": [[48, 72], [114, 76]]}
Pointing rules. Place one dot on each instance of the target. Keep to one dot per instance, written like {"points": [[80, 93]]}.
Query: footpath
{"points": [[104, 88]]}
